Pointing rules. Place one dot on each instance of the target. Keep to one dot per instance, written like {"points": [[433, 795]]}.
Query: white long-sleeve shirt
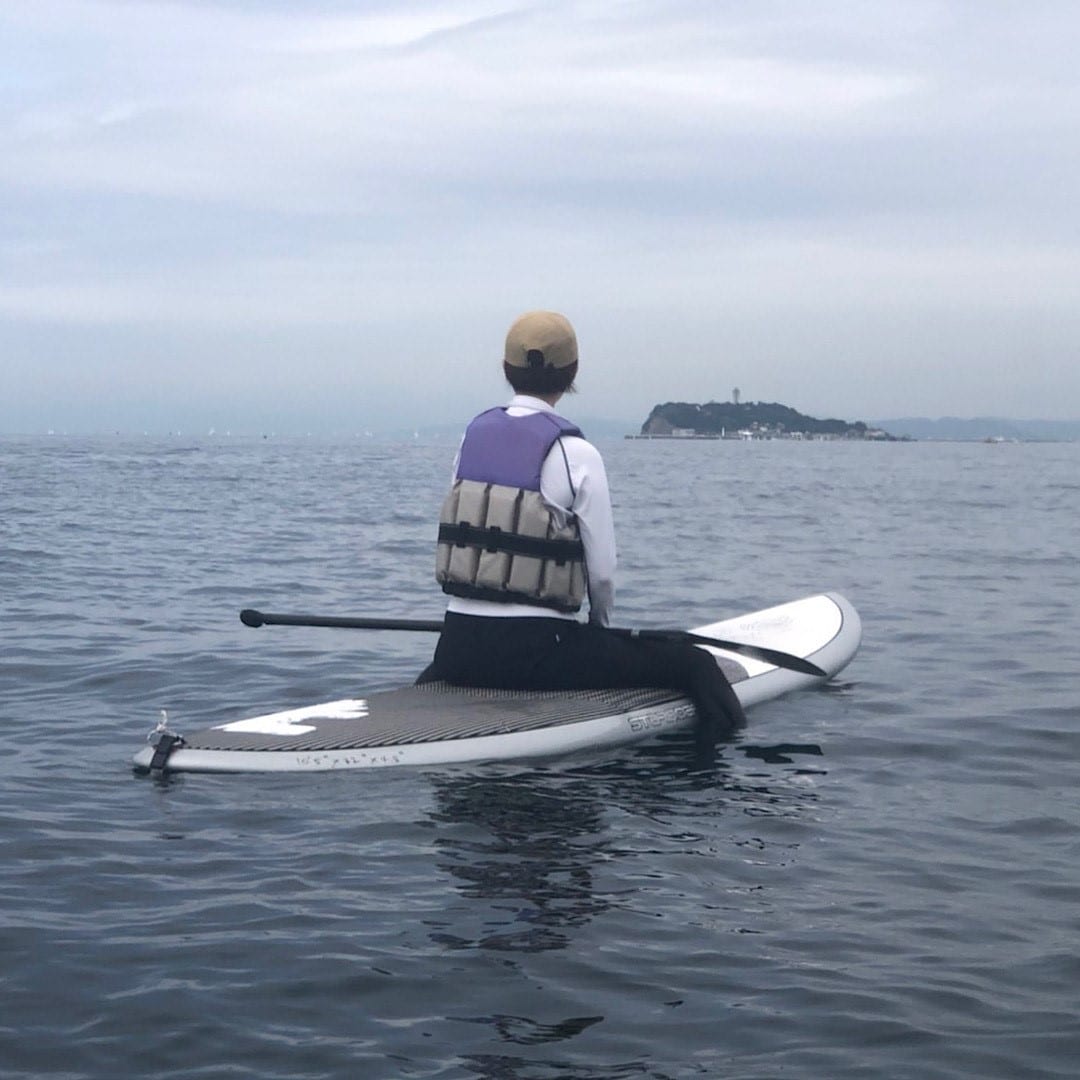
{"points": [[588, 499]]}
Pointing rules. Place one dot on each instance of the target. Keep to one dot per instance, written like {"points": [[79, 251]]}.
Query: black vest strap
{"points": [[494, 539], [479, 592]]}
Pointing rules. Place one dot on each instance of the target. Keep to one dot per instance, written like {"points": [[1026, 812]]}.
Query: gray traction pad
{"points": [[437, 711]]}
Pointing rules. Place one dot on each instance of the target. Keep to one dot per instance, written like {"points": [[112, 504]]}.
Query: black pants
{"points": [[557, 654]]}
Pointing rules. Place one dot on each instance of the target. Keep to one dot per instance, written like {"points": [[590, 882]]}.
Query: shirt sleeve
{"points": [[592, 507]]}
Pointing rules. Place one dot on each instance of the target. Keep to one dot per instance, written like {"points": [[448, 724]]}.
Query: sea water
{"points": [[876, 879]]}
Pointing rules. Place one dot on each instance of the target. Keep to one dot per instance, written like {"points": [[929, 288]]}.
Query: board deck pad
{"points": [[430, 712]]}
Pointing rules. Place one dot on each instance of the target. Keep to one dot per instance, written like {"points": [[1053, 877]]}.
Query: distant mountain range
{"points": [[982, 427]]}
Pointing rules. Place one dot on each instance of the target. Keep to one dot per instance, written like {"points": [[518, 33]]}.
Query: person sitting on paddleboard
{"points": [[526, 534]]}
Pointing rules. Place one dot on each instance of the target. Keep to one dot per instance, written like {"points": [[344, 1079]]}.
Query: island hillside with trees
{"points": [[747, 420]]}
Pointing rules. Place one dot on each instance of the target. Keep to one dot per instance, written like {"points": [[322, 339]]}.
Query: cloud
{"points": [[778, 180], [304, 113]]}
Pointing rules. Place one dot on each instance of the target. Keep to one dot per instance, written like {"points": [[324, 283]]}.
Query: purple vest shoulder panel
{"points": [[510, 450]]}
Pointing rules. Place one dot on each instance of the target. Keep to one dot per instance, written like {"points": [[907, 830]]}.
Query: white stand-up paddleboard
{"points": [[436, 724]]}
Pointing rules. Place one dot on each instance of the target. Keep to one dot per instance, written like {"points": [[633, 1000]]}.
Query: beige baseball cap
{"points": [[546, 333]]}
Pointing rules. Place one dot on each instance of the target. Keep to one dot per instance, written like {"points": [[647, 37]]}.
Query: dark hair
{"points": [[541, 380]]}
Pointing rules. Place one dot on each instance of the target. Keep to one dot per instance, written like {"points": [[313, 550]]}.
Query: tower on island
{"points": [[735, 396]]}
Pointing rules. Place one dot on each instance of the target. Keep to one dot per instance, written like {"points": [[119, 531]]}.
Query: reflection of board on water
{"points": [[528, 846], [527, 849], [436, 724]]}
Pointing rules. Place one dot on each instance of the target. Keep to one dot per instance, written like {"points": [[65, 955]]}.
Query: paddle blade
{"points": [[758, 652]]}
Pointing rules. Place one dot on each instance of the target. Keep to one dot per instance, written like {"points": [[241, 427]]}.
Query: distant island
{"points": [[748, 420]]}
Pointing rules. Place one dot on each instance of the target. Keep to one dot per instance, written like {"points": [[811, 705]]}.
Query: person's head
{"points": [[541, 356]]}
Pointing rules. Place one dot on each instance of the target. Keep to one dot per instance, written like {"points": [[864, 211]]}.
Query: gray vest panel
{"points": [[506, 544]]}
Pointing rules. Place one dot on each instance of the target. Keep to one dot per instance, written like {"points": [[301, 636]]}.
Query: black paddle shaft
{"points": [[251, 617]]}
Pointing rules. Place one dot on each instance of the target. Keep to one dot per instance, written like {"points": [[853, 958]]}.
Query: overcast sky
{"points": [[323, 215]]}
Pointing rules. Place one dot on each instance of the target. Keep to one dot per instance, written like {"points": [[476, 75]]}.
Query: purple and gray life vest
{"points": [[498, 539]]}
